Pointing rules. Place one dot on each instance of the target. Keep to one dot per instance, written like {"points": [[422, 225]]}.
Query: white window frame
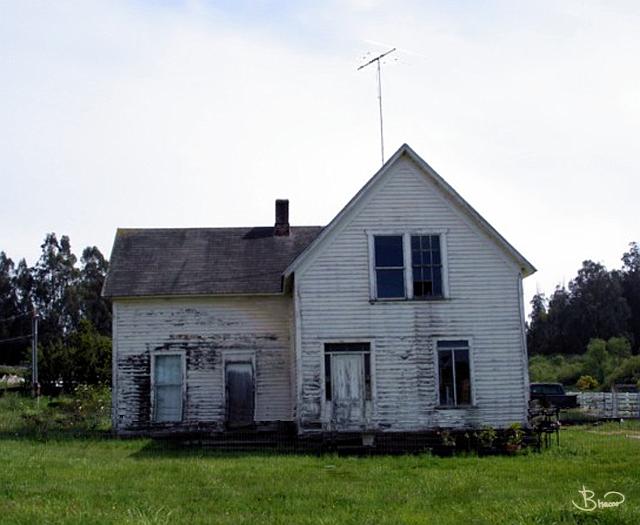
{"points": [[408, 266], [183, 361], [472, 373]]}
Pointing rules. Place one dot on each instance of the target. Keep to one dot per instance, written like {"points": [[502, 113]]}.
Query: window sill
{"points": [[166, 424], [410, 300], [458, 407]]}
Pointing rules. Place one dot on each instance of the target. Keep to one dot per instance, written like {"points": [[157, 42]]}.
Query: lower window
{"points": [[454, 373], [167, 388], [347, 369]]}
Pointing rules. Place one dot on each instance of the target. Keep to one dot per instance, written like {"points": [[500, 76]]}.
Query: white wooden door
{"points": [[347, 383]]}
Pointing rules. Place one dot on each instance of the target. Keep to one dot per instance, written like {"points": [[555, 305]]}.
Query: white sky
{"points": [[173, 114]]}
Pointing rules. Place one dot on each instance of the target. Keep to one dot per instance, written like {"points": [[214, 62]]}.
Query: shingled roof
{"points": [[202, 261]]}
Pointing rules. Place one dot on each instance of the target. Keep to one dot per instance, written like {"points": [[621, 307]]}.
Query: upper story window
{"points": [[408, 266], [389, 256], [426, 265]]}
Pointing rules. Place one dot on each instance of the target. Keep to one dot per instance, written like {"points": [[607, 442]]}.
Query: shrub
{"points": [[571, 371], [597, 361], [83, 357], [627, 372], [447, 438], [486, 436], [514, 434], [587, 383], [619, 347], [542, 370]]}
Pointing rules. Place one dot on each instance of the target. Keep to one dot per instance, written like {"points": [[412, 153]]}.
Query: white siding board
{"points": [[333, 292], [207, 329]]}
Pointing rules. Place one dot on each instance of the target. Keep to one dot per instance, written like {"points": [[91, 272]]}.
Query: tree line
{"points": [[591, 328], [74, 321]]}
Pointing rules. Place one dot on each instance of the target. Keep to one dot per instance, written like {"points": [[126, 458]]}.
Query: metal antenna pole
{"points": [[380, 106], [377, 60]]}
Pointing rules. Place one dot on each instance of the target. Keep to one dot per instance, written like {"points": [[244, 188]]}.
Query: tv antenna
{"points": [[377, 61]]}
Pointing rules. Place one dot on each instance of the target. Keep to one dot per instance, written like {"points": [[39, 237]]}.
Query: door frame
{"points": [[370, 406], [239, 357]]}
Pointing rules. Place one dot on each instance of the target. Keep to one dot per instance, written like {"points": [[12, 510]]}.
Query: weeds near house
{"points": [[85, 412]]}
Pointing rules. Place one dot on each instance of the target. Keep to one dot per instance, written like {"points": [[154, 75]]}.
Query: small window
{"points": [[389, 260], [454, 373], [167, 386], [426, 265]]}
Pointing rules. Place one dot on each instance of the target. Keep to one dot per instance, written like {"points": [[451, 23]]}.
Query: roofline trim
{"points": [[193, 295], [526, 267], [304, 255]]}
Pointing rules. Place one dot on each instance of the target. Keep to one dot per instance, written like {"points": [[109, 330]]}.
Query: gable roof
{"points": [[202, 261], [405, 150]]}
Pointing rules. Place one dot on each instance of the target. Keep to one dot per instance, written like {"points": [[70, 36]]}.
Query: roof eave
{"points": [[118, 297], [354, 200], [525, 266]]}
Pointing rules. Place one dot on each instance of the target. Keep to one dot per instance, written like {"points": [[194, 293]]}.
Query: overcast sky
{"points": [[174, 114]]}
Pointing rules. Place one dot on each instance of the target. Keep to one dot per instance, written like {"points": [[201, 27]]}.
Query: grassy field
{"points": [[65, 479]]}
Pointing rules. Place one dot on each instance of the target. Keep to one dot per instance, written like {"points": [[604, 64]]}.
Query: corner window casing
{"points": [[423, 265]]}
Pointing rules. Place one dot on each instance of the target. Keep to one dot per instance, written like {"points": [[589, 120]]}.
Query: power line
{"points": [[11, 318], [15, 338]]}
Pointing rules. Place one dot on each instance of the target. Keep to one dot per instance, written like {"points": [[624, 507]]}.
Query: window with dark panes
{"points": [[389, 261], [454, 373], [426, 265]]}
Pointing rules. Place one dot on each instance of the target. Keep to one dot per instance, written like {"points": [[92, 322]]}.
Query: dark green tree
{"points": [[630, 276], [23, 284], [55, 289], [559, 336], [93, 306], [538, 329], [10, 349], [597, 307]]}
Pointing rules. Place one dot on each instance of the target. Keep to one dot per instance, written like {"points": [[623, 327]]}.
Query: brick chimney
{"points": [[282, 218]]}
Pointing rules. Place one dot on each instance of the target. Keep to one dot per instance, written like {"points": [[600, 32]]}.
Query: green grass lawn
{"points": [[96, 480]]}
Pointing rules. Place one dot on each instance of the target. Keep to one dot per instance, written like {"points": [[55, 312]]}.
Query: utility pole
{"points": [[34, 354], [377, 61]]}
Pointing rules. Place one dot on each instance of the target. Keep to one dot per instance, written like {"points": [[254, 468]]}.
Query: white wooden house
{"points": [[404, 314]]}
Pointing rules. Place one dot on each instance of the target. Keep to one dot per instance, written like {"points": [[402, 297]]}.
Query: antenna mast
{"points": [[377, 61]]}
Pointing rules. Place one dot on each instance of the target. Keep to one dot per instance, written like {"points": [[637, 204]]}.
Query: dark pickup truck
{"points": [[552, 394]]}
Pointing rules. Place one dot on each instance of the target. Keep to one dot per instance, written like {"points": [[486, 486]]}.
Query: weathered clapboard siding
{"points": [[332, 294], [208, 331]]}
